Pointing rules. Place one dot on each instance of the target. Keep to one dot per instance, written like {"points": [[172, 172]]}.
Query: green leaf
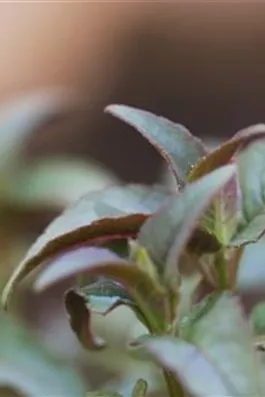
{"points": [[167, 232], [56, 182], [147, 295], [100, 297], [24, 116], [174, 142], [223, 335], [140, 388], [257, 318], [28, 367], [251, 167], [225, 152], [115, 212], [221, 359]]}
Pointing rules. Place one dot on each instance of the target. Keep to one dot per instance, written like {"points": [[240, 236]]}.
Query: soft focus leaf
{"points": [[103, 394], [224, 153], [57, 182], [251, 168], [173, 141], [26, 115], [222, 361], [165, 234], [224, 336], [29, 368], [98, 216], [195, 372], [258, 318], [102, 262], [140, 388]]}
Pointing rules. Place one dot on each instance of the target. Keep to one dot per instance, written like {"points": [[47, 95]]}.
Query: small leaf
{"points": [[224, 153], [101, 298], [116, 212], [251, 167], [28, 367], [174, 142], [165, 234], [140, 388], [102, 262]]}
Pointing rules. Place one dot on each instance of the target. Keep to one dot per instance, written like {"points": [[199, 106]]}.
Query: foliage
{"points": [[178, 271]]}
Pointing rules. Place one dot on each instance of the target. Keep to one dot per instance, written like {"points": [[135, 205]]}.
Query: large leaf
{"points": [[222, 360], [173, 141], [166, 233], [101, 215], [56, 182], [26, 366], [224, 153], [21, 117], [100, 297], [251, 168], [147, 295]]}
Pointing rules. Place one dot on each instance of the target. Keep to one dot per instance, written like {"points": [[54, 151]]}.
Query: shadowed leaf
{"points": [[101, 262], [28, 367], [166, 233], [99, 216], [251, 168], [174, 142], [140, 389]]}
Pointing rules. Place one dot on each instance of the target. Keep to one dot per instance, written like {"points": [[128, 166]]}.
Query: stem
{"points": [[173, 386], [221, 269]]}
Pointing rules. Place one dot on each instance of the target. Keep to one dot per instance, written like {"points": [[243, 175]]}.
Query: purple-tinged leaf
{"points": [[195, 372], [251, 168], [147, 295], [100, 297], [225, 152], [174, 142], [100, 216], [167, 232]]}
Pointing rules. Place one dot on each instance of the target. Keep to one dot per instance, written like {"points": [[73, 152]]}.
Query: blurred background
{"points": [[199, 63]]}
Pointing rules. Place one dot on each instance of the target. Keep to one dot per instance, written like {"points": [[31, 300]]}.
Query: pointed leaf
{"points": [[101, 262], [224, 153], [174, 142], [251, 166], [166, 233], [98, 216], [28, 367]]}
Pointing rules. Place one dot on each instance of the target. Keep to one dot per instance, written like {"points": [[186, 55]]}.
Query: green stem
{"points": [[173, 386], [221, 269]]}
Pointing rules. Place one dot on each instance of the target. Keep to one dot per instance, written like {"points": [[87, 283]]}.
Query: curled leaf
{"points": [[98, 216], [140, 388], [174, 142], [101, 262]]}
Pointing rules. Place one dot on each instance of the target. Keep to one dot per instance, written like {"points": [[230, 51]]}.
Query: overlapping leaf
{"points": [[166, 233], [251, 168], [100, 297], [102, 216], [101, 262], [29, 368], [173, 141], [222, 360]]}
